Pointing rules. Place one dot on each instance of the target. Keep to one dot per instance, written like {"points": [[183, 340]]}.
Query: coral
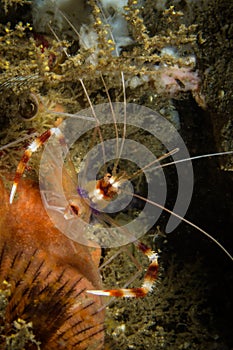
{"points": [[9, 3], [47, 275], [50, 68], [140, 59], [39, 64], [22, 333]]}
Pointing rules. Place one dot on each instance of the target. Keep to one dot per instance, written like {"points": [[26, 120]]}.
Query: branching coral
{"points": [[45, 65], [141, 59]]}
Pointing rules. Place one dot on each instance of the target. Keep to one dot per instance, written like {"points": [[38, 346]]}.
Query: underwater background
{"points": [[189, 42]]}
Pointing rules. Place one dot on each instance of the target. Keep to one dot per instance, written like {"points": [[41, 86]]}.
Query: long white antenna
{"points": [[181, 218]]}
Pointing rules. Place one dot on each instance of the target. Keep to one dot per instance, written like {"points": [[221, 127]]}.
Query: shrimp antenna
{"points": [[124, 95], [191, 158], [181, 218], [81, 81]]}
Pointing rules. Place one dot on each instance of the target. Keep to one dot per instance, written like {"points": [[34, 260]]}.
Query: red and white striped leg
{"points": [[149, 279], [33, 147]]}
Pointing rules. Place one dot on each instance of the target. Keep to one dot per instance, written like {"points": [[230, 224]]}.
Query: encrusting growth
{"points": [[48, 276]]}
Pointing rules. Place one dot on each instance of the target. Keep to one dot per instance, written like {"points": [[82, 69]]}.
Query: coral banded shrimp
{"points": [[89, 198], [66, 210], [81, 201], [86, 199]]}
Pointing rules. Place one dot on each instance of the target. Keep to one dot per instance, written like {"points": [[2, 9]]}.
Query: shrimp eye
{"points": [[72, 210], [75, 209]]}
